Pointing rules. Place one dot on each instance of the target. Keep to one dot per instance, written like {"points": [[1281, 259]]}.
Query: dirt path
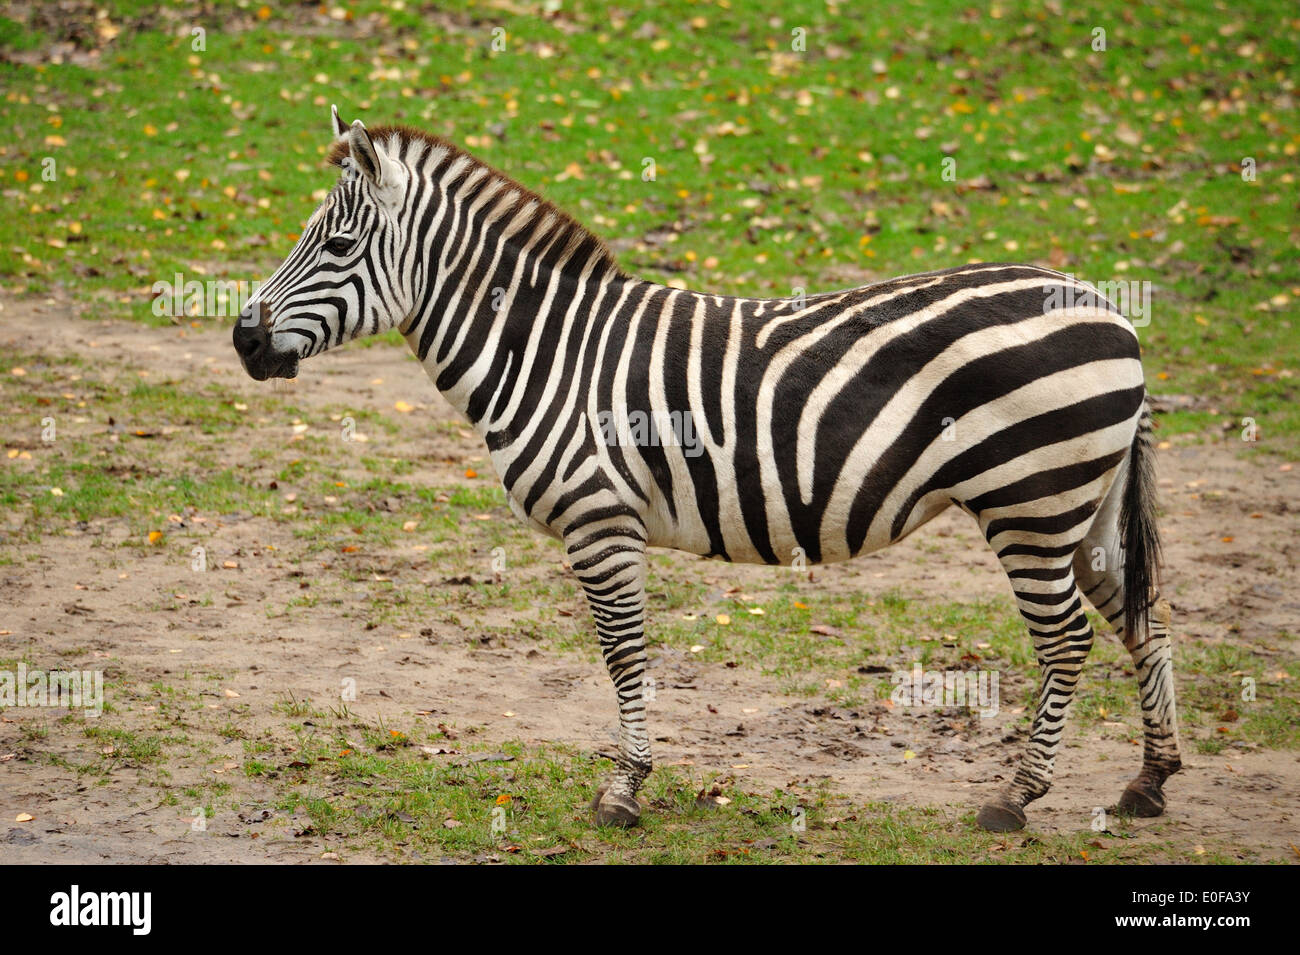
{"points": [[1230, 528]]}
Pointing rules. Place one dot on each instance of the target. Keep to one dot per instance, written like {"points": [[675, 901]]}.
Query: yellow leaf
{"points": [[155, 537]]}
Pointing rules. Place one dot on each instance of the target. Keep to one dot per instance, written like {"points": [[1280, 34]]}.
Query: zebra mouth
{"points": [[252, 343], [272, 366]]}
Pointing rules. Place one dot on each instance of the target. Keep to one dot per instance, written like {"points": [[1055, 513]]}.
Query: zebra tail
{"points": [[1141, 537]]}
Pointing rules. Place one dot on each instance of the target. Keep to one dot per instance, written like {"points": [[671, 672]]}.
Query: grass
{"points": [[520, 806], [366, 788], [774, 168]]}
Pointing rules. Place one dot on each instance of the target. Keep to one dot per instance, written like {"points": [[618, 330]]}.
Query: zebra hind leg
{"points": [[610, 563], [1039, 567], [1099, 568]]}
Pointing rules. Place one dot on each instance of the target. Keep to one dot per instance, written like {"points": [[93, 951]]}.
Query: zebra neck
{"points": [[506, 330]]}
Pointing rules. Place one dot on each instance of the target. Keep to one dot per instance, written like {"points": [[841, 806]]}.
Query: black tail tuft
{"points": [[1140, 534]]}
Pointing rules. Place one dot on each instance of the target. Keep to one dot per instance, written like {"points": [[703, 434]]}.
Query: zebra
{"points": [[828, 425]]}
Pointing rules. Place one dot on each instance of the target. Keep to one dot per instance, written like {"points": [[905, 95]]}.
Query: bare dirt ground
{"points": [[1233, 579]]}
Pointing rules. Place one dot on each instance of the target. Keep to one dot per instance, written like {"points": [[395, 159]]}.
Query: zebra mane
{"points": [[584, 245]]}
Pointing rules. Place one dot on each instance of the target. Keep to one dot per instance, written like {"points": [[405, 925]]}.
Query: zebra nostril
{"points": [[250, 338]]}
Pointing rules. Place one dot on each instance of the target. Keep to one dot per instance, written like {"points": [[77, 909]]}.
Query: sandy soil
{"points": [[72, 590]]}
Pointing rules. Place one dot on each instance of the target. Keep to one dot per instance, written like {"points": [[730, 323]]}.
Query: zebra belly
{"points": [[690, 532]]}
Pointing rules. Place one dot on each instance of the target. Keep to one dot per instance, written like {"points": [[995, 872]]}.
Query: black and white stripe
{"points": [[827, 426]]}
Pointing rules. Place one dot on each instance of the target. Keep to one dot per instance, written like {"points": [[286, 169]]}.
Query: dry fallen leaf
{"points": [[439, 751]]}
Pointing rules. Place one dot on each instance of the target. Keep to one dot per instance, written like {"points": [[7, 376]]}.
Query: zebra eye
{"points": [[339, 245]]}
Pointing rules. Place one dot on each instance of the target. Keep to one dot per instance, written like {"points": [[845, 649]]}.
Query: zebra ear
{"points": [[365, 154], [340, 127]]}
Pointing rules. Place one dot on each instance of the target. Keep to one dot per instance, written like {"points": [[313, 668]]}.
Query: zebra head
{"points": [[340, 280]]}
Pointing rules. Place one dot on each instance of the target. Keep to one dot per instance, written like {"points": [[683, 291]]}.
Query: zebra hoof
{"points": [[617, 809], [600, 793], [1142, 800], [1000, 815]]}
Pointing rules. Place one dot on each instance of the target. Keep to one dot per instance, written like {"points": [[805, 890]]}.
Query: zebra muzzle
{"points": [[252, 340]]}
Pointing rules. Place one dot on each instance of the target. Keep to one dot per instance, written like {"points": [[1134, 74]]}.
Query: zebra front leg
{"points": [[610, 563], [1053, 610]]}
